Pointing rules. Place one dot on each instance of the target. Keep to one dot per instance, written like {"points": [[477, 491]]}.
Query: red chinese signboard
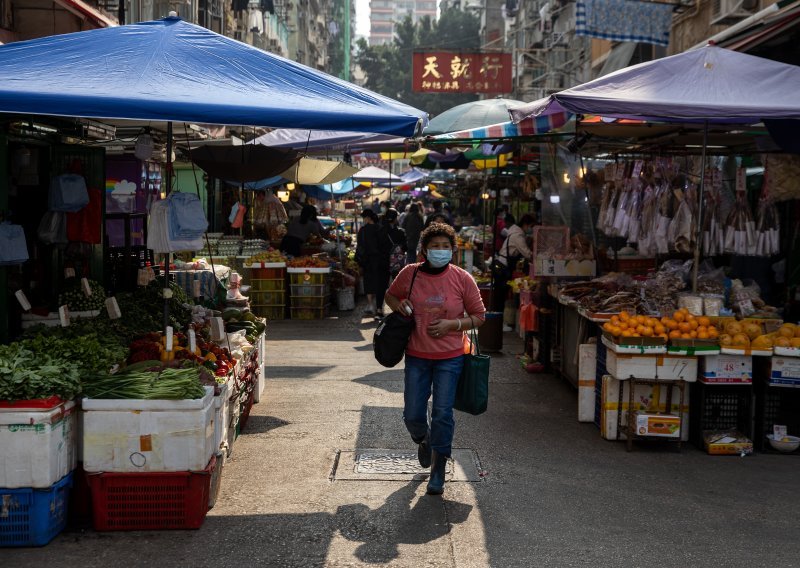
{"points": [[446, 72]]}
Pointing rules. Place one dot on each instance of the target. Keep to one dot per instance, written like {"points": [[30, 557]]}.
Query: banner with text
{"points": [[474, 72]]}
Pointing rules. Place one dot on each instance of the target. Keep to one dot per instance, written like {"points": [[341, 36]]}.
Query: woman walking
{"points": [[445, 302]]}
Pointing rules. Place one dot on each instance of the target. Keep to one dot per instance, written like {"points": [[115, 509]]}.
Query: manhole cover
{"points": [[400, 465], [391, 461]]}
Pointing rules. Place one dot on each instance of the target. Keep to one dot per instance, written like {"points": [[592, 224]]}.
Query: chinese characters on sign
{"points": [[444, 72]]}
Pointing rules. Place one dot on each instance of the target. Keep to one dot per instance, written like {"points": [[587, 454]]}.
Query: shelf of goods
{"points": [[776, 381], [310, 292], [268, 290]]}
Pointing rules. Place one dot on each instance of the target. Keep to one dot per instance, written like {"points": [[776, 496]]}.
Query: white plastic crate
{"points": [[37, 446], [148, 435], [220, 403]]}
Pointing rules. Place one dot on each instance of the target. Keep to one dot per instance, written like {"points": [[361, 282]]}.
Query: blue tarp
{"points": [[324, 191], [176, 71]]}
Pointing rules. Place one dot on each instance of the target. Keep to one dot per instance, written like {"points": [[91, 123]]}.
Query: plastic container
{"points": [[271, 313], [720, 407], [39, 444], [309, 302], [713, 304], [266, 297], [33, 517], [784, 446], [151, 501], [303, 277], [148, 435], [490, 334], [309, 313], [346, 299], [270, 271], [259, 285], [303, 290]]}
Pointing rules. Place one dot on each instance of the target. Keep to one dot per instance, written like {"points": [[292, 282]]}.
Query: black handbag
{"points": [[472, 393], [391, 338]]}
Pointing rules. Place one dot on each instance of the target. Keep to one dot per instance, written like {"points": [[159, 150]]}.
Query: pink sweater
{"points": [[441, 296]]}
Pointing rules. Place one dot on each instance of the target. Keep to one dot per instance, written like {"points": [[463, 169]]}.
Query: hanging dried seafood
{"points": [[768, 227], [713, 232], [740, 228], [682, 228]]}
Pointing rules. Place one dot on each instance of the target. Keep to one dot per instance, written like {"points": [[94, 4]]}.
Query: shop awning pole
{"points": [[698, 245], [167, 291]]}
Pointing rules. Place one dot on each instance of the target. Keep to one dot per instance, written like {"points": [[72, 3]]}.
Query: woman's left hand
{"points": [[440, 327]]}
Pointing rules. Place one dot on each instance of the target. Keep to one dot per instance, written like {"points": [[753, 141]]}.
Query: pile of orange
{"points": [[681, 325], [627, 325]]}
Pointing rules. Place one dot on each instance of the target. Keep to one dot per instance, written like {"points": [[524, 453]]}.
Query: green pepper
{"points": [[210, 365]]}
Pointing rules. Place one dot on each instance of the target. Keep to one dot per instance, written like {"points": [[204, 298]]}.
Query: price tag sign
{"points": [[69, 273], [63, 315], [217, 329], [192, 341], [196, 288], [170, 338], [741, 180], [23, 300], [87, 290], [112, 307]]}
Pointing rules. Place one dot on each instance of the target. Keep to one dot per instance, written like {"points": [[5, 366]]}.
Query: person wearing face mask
{"points": [[514, 248], [445, 302]]}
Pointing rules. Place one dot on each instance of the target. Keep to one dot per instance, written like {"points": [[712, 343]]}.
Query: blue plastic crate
{"points": [[33, 517]]}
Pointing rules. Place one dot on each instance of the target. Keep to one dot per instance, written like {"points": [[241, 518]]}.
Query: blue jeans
{"points": [[423, 376]]}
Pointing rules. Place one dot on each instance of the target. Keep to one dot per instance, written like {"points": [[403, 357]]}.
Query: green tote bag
{"points": [[472, 394]]}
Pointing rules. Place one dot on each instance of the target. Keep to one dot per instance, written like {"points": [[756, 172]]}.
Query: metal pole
{"points": [[346, 40], [700, 195], [167, 290]]}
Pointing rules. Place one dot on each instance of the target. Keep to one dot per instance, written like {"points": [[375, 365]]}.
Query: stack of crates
{"points": [[311, 292], [268, 290], [39, 442]]}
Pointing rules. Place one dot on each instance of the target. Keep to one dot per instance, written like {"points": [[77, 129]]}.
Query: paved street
{"points": [[554, 493]]}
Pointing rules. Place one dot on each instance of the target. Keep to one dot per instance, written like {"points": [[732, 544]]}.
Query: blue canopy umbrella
{"points": [[172, 70], [331, 190]]}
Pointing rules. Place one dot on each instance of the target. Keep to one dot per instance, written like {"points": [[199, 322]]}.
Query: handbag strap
{"points": [[411, 286], [474, 336]]}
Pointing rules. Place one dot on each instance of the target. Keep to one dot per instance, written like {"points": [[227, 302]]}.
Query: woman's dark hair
{"points": [[509, 220], [438, 230], [527, 219], [413, 209], [369, 213], [309, 213]]}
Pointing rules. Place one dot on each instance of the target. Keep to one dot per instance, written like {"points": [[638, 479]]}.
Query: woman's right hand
{"points": [[405, 307]]}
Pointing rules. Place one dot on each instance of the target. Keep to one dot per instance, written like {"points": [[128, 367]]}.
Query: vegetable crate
{"points": [[317, 290], [308, 278], [39, 442], [33, 517], [309, 301], [775, 405], [267, 298], [148, 435], [272, 273], [151, 501], [720, 407], [262, 285], [309, 313]]}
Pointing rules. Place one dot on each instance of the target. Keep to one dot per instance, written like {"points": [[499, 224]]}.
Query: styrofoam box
{"points": [[587, 366], [148, 435], [644, 400], [220, 402], [37, 446], [260, 384], [785, 372], [657, 367], [727, 369]]}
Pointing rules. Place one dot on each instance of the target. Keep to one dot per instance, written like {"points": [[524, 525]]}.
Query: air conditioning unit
{"points": [[536, 39], [729, 12]]}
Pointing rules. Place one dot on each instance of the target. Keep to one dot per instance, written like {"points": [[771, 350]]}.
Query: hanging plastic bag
{"points": [[234, 211], [13, 247], [238, 221], [53, 228], [68, 193]]}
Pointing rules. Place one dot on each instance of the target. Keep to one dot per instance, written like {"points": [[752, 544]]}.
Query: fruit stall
{"points": [[103, 409]]}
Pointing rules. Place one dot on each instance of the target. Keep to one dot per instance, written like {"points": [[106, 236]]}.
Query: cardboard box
{"points": [[727, 369], [657, 367], [727, 443], [647, 398], [587, 369], [637, 345], [661, 425], [784, 372]]}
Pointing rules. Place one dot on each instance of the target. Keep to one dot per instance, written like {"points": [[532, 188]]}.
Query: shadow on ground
{"points": [[390, 380]]}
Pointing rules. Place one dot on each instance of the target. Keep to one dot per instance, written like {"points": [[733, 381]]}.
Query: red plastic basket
{"points": [[150, 501]]}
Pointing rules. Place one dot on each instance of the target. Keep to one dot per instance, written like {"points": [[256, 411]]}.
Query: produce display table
{"points": [[207, 282]]}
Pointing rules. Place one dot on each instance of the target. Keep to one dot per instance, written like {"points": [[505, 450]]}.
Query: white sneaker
{"points": [[508, 328]]}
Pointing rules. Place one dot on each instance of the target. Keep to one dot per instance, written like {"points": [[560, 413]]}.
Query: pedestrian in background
{"points": [[444, 302], [372, 254], [413, 224]]}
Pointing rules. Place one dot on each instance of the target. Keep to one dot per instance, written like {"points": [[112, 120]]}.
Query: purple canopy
{"points": [[710, 83]]}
